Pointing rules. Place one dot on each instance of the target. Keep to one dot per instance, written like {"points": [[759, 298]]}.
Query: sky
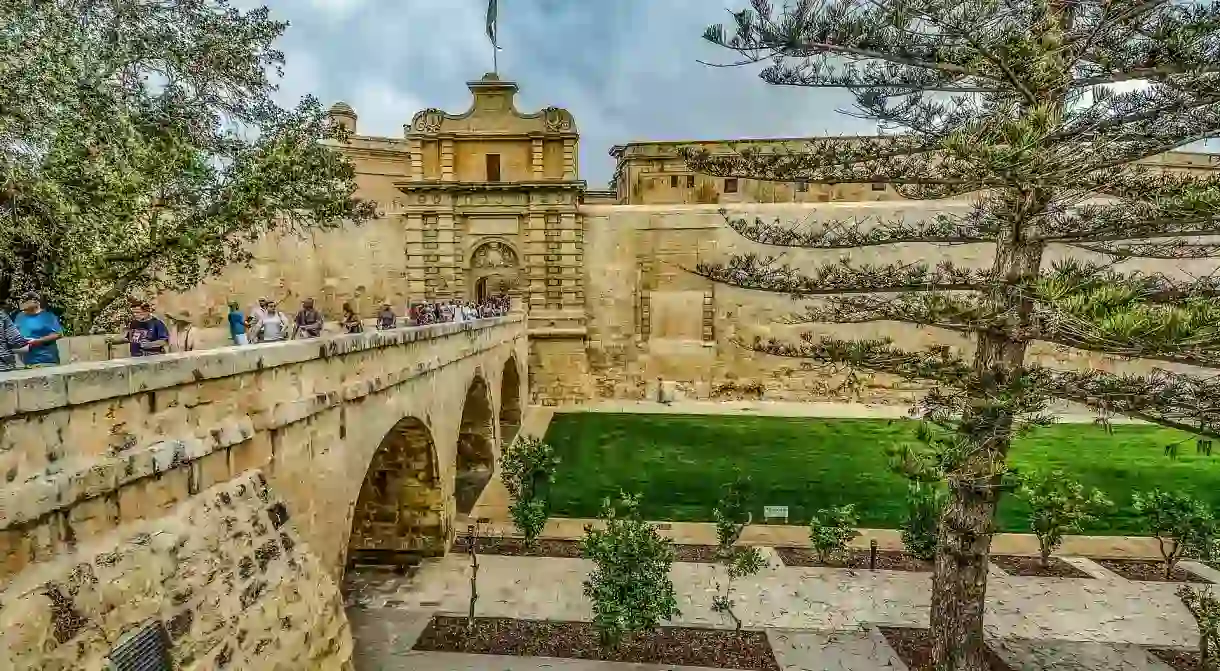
{"points": [[626, 69]]}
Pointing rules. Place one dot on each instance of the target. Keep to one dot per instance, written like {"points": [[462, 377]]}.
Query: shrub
{"points": [[527, 467], [925, 502], [731, 520], [1058, 505], [630, 588], [831, 529], [1205, 608], [1181, 524]]}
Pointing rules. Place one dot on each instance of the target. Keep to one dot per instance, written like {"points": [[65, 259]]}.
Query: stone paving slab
{"points": [[1026, 655], [818, 598], [803, 650]]}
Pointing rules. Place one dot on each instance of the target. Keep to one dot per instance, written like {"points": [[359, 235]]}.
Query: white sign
{"points": [[772, 512]]}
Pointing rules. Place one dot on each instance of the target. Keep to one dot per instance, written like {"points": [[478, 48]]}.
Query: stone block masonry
{"points": [[226, 575], [215, 492]]}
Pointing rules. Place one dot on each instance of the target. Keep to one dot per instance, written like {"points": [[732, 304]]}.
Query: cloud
{"points": [[626, 69]]}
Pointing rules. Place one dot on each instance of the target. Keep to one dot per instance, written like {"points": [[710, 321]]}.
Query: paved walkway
{"points": [[814, 616]]}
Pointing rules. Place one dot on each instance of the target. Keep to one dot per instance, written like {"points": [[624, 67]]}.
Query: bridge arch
{"points": [[510, 402], [476, 446], [401, 506]]}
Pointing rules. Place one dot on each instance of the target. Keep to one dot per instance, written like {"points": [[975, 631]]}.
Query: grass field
{"points": [[679, 463]]}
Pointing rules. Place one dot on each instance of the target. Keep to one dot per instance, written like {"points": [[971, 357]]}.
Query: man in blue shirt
{"points": [[41, 328], [237, 325]]}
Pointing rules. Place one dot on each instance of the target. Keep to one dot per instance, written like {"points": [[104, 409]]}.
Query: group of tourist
{"points": [[29, 336]]}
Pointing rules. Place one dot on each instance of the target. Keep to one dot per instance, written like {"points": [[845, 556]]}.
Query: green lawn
{"points": [[679, 464]]}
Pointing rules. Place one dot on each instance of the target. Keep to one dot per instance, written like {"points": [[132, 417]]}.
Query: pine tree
{"points": [[1011, 105]]}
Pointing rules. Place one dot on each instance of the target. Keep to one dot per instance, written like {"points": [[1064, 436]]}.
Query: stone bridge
{"points": [[209, 501]]}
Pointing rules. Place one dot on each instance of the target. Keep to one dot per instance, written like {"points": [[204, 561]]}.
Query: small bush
{"points": [[1182, 525], [731, 520], [527, 467], [1058, 505], [630, 588], [831, 529], [925, 502]]}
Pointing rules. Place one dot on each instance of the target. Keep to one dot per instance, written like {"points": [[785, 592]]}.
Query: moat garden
{"points": [[1103, 602]]}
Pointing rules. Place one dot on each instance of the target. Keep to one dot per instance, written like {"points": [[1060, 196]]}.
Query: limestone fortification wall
{"points": [[646, 316], [650, 318], [214, 491]]}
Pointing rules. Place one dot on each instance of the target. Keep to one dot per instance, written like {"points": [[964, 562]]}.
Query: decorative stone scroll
{"points": [[428, 121], [557, 120], [494, 255]]}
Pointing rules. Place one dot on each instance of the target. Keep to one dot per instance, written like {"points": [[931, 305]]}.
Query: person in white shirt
{"points": [[274, 325]]}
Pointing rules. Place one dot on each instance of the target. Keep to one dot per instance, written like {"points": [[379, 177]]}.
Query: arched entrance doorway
{"points": [[494, 270], [400, 513], [510, 402], [476, 455]]}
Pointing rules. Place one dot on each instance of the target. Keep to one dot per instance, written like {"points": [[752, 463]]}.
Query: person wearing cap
{"points": [[12, 343], [41, 328]]}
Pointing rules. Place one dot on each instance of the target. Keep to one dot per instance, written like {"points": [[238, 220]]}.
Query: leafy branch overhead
{"points": [[1011, 110], [142, 151]]}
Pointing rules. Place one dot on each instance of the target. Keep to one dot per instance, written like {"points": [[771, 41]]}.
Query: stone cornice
{"points": [[42, 389], [417, 186]]}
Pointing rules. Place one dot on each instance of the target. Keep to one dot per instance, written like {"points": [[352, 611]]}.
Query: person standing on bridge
{"points": [[147, 335], [12, 343], [237, 325], [386, 319], [273, 325], [308, 322], [41, 328]]}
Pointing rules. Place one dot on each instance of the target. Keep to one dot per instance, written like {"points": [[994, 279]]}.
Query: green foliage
{"points": [[831, 529], [1205, 608], [1058, 505], [630, 587], [527, 468], [1182, 525], [141, 151], [925, 502], [732, 518]]}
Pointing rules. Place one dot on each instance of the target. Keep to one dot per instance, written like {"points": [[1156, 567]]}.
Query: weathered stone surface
{"points": [[145, 496]]}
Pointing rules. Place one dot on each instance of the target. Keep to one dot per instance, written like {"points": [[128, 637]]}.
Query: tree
{"points": [[1058, 505], [527, 467], [1009, 106], [1182, 525], [141, 150], [732, 518], [630, 589], [1205, 608], [831, 529]]}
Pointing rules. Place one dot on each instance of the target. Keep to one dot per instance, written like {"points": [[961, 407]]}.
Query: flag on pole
{"points": [[492, 24]]}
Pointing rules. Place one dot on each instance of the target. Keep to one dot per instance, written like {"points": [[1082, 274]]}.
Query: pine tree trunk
{"points": [[959, 582]]}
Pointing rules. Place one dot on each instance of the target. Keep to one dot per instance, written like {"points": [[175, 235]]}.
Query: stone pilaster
{"points": [[447, 174], [536, 159]]}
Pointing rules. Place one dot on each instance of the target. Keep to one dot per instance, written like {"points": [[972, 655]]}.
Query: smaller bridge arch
{"points": [[401, 506], [510, 402], [476, 446]]}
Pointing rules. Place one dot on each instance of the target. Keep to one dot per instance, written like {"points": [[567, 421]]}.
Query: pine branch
{"points": [[1165, 332], [864, 231], [750, 271], [1176, 249], [1172, 400]]}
